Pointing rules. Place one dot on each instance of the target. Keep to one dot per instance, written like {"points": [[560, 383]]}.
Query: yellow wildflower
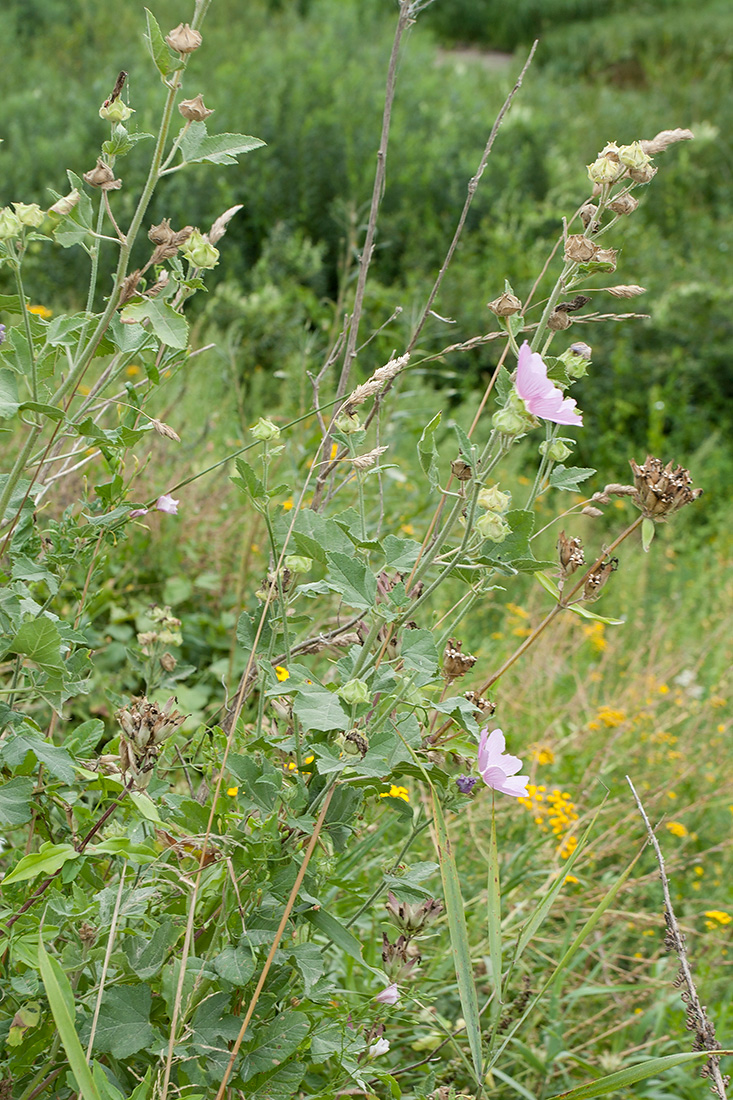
{"points": [[676, 828], [132, 371], [282, 673], [232, 791], [287, 504], [571, 878], [396, 792], [717, 916], [568, 846], [41, 311], [611, 717], [334, 450]]}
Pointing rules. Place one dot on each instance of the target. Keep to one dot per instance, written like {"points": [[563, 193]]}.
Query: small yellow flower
{"points": [[543, 755], [41, 311], [568, 846], [717, 701], [699, 870], [132, 371], [672, 795], [396, 792], [611, 717], [571, 878], [663, 689], [287, 504], [232, 791], [407, 529], [719, 916], [676, 828], [282, 673], [334, 450]]}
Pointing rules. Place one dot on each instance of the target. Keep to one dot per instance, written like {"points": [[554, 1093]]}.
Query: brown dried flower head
{"points": [[661, 490], [183, 39], [587, 213], [505, 305], [624, 204], [484, 707], [144, 726], [644, 174], [461, 469], [102, 176], [455, 663], [570, 553], [219, 227], [597, 578], [606, 256], [194, 110], [632, 290], [579, 249], [129, 287], [664, 139], [558, 320], [165, 430]]}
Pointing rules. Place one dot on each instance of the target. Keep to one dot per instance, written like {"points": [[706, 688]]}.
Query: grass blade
{"points": [[625, 1077], [459, 937], [61, 1000], [494, 917]]}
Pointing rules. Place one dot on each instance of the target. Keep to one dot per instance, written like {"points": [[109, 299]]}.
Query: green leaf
{"points": [[198, 145], [274, 1043], [493, 897], [58, 761], [459, 937], [319, 709], [51, 411], [400, 554], [549, 586], [427, 452], [282, 1083], [61, 1001], [647, 533], [515, 551], [163, 58], [348, 576], [419, 652], [39, 640], [336, 933], [123, 1026], [11, 303], [46, 861], [167, 325], [503, 386], [465, 447], [570, 478], [9, 403], [315, 536], [125, 848], [625, 1077], [15, 802], [249, 482], [235, 965], [309, 960]]}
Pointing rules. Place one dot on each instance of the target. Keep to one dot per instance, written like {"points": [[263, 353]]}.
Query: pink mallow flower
{"points": [[541, 397], [389, 996], [166, 503], [497, 768]]}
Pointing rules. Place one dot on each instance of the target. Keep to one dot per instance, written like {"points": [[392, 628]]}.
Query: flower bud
{"points": [[579, 249], [633, 156], [10, 225], [348, 423], [509, 421], [116, 111], [558, 321], [199, 251], [193, 110], [624, 204], [183, 39], [492, 527], [505, 305], [29, 214], [575, 359], [264, 430], [66, 204], [493, 500], [461, 469], [555, 449], [298, 564], [413, 916], [354, 692], [604, 170]]}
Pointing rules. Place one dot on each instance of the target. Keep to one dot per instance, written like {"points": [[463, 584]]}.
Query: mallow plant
{"points": [[238, 909]]}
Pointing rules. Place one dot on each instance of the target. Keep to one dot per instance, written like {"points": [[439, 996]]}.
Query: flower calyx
{"points": [[661, 490], [102, 176], [184, 39], [455, 663], [413, 917]]}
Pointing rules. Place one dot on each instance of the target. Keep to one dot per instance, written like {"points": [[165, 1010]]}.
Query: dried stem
{"points": [[674, 940]]}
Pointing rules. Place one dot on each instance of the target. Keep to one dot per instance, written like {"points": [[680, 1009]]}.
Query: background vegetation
{"points": [[652, 698]]}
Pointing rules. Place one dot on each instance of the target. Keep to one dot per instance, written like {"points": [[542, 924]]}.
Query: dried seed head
{"points": [[664, 139], [589, 510], [645, 174], [364, 462], [624, 204], [144, 726], [597, 578], [159, 285], [577, 303], [165, 430], [587, 213], [375, 384], [579, 249], [606, 257], [162, 233], [355, 743], [412, 917], [193, 110], [219, 227], [570, 553], [461, 469], [661, 490], [102, 176], [398, 961], [623, 291], [558, 320], [484, 707], [129, 287], [505, 305], [183, 39], [455, 663], [167, 662]]}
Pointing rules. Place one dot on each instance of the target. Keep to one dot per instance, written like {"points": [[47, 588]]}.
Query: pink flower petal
{"points": [[541, 397], [166, 503], [515, 785]]}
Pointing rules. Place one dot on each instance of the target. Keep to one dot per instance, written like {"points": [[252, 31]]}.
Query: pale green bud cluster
{"points": [[117, 111], [576, 359], [296, 563], [354, 692], [264, 430], [493, 500], [491, 526], [10, 225], [199, 251], [556, 449], [348, 423]]}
